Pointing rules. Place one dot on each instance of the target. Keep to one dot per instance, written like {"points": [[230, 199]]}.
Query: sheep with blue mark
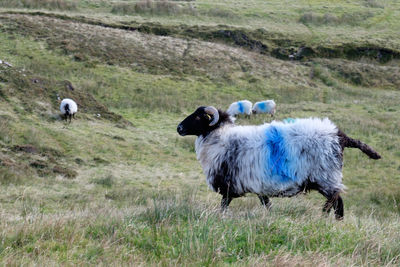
{"points": [[68, 108], [271, 160], [267, 106], [242, 107]]}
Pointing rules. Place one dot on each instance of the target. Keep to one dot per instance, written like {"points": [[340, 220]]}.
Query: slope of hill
{"points": [[119, 186]]}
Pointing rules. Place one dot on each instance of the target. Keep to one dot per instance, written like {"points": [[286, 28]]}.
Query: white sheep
{"points": [[267, 106], [240, 107], [68, 108]]}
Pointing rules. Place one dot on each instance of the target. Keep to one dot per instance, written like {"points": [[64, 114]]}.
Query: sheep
{"points": [[275, 159], [267, 106], [240, 107], [68, 108]]}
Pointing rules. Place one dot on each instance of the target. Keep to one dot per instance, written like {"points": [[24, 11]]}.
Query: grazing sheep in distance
{"points": [[68, 108], [271, 160], [240, 107], [267, 106]]}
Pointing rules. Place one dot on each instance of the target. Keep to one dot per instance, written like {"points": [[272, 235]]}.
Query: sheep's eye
{"points": [[197, 118]]}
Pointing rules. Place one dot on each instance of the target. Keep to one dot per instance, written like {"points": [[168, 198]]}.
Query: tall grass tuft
{"points": [[106, 181], [38, 4]]}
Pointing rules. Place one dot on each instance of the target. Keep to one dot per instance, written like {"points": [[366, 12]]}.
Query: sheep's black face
{"points": [[196, 123], [67, 110]]}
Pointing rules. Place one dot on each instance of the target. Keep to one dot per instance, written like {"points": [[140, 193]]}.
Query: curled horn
{"points": [[214, 113]]}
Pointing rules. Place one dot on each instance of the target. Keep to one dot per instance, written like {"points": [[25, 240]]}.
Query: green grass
{"points": [[38, 4], [118, 186]]}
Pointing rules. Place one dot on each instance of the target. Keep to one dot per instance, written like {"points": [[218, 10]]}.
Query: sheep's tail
{"points": [[346, 141]]}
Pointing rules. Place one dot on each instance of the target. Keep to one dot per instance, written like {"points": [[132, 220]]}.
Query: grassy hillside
{"points": [[118, 186]]}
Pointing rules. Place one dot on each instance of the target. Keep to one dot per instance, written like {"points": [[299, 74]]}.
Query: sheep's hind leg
{"points": [[226, 200], [264, 201], [336, 202]]}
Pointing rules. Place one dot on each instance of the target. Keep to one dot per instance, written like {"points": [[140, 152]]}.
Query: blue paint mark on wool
{"points": [[241, 107], [289, 120], [277, 156], [262, 106]]}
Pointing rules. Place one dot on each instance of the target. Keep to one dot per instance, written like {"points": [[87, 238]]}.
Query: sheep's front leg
{"points": [[338, 206], [226, 200], [264, 201]]}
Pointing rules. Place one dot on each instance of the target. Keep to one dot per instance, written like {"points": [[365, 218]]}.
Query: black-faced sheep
{"points": [[68, 108], [271, 160]]}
